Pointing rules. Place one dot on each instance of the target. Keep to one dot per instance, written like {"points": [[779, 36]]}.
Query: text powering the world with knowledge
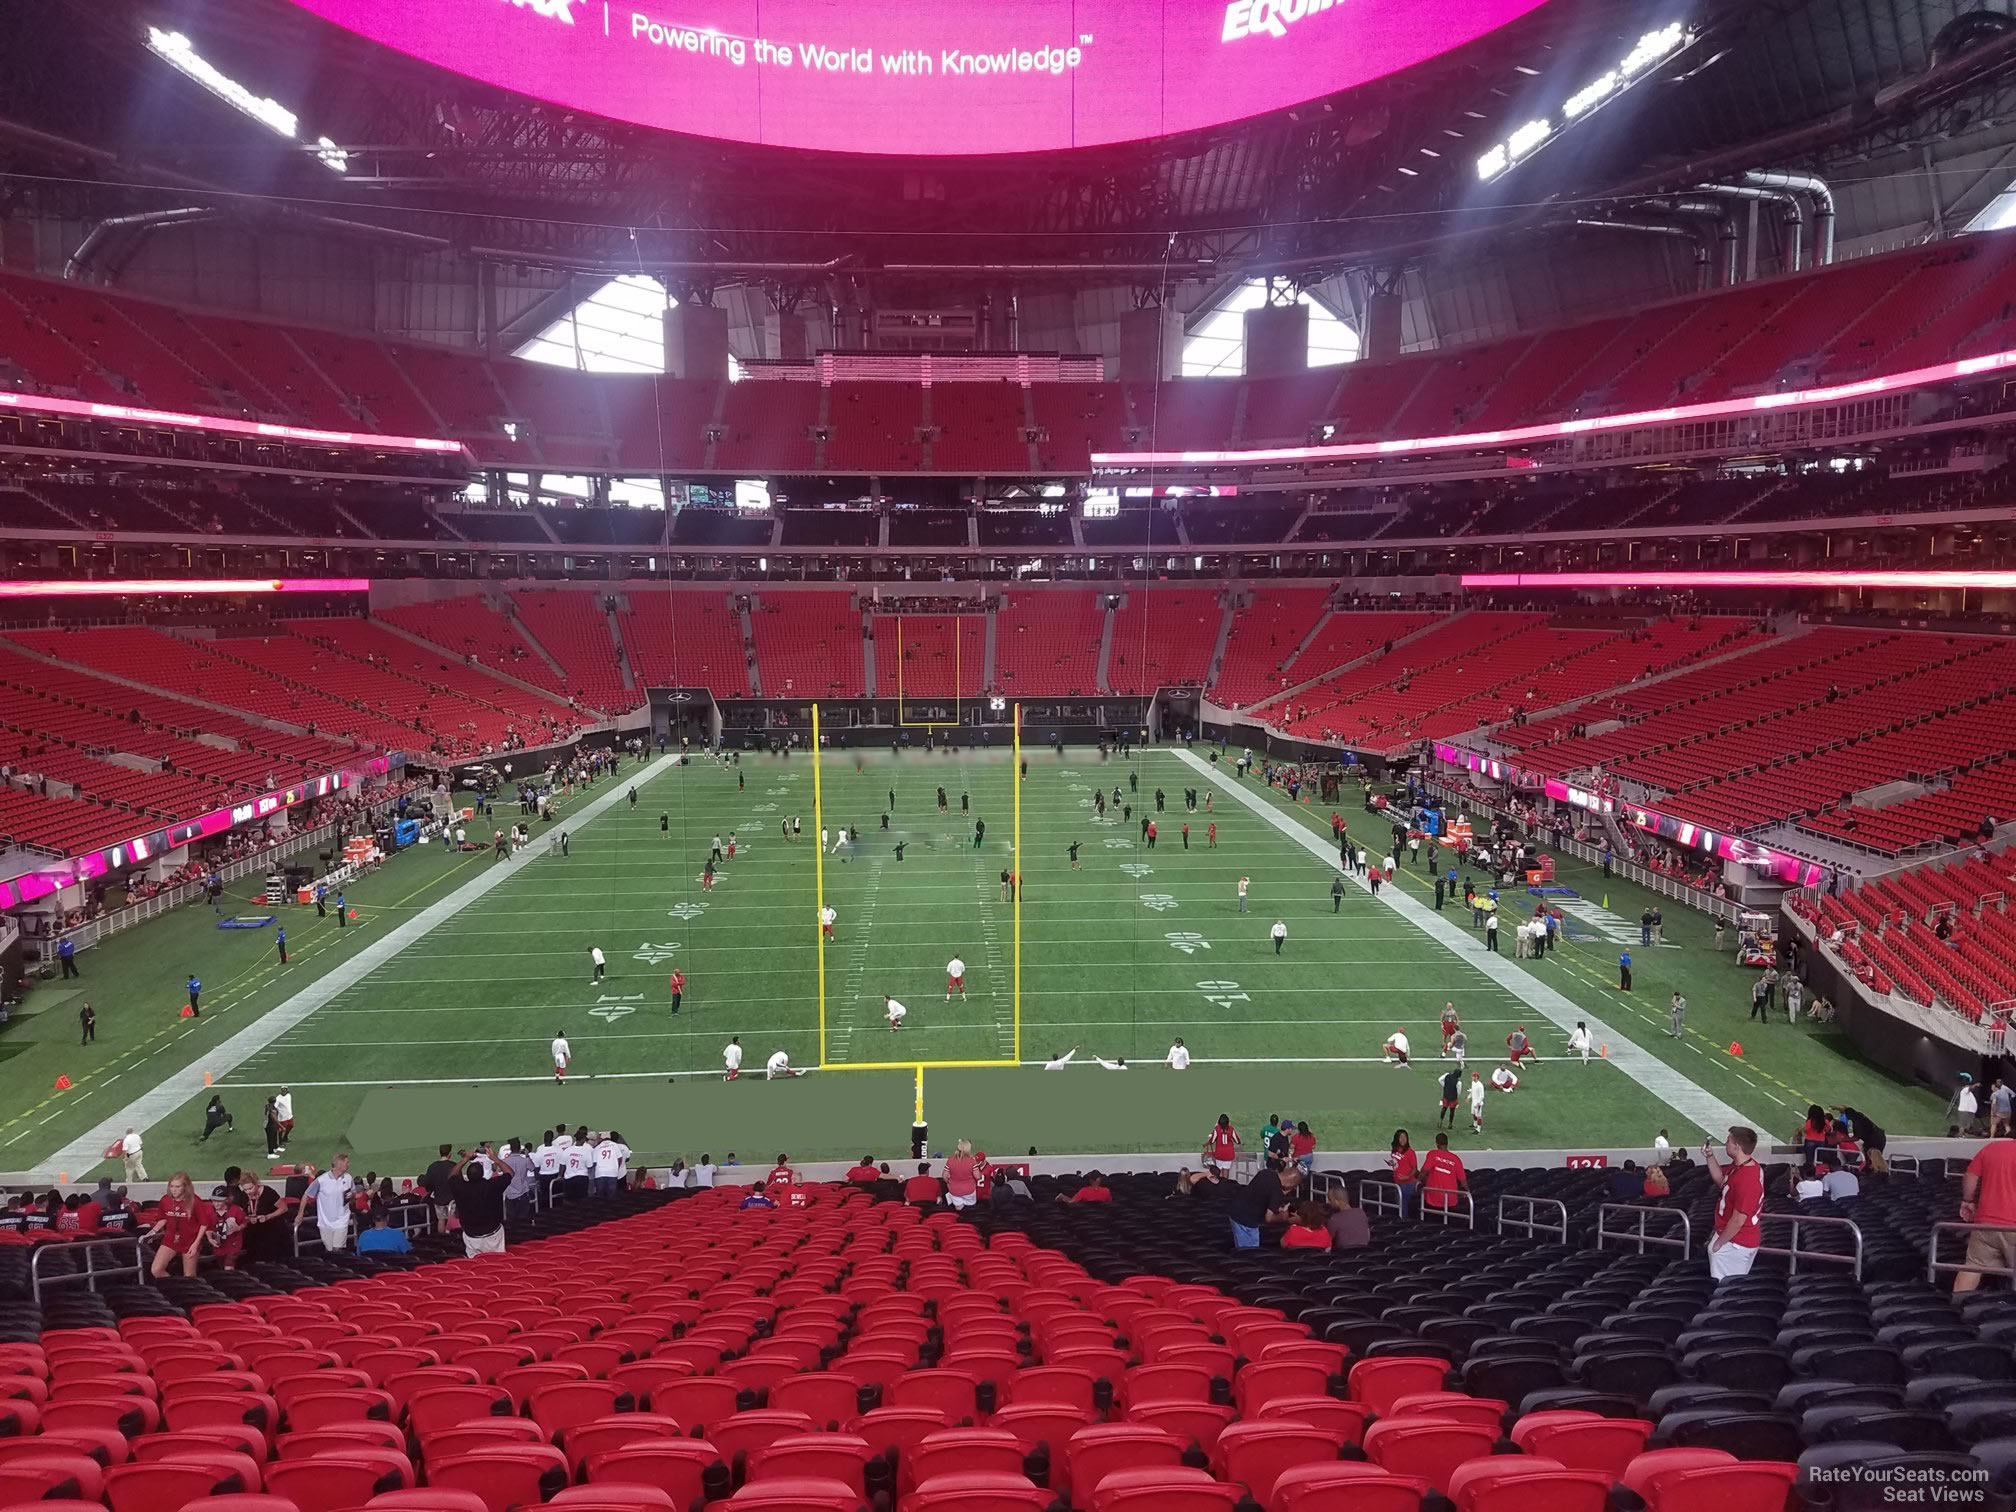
{"points": [[924, 77]]}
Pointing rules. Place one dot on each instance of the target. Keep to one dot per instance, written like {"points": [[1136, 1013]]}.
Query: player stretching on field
{"points": [[562, 1053], [1074, 856], [955, 979], [731, 1057], [894, 1012], [1450, 1024]]}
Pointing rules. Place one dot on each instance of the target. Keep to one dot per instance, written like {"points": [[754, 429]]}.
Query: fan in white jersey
{"points": [[731, 1057], [1476, 1102], [895, 1012], [562, 1054], [955, 979], [1578, 1042], [1178, 1058], [778, 1065]]}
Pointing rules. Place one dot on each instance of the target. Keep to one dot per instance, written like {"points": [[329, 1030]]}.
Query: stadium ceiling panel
{"points": [[96, 127]]}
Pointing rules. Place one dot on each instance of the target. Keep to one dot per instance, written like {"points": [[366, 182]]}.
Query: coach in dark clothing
{"points": [[479, 1204]]}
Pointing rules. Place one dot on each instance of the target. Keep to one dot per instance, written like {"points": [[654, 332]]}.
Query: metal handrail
{"points": [[1794, 1254], [90, 1249], [1934, 1265], [1530, 1225], [1448, 1212], [1381, 1197], [1639, 1237]]}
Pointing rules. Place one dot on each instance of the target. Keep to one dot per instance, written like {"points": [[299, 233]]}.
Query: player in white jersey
{"points": [[1396, 1048], [955, 979], [1578, 1042], [562, 1054], [1178, 1058], [731, 1057], [1476, 1102], [827, 919], [778, 1065], [894, 1012]]}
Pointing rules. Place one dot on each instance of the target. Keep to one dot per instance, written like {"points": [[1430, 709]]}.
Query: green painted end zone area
{"points": [[446, 1039]]}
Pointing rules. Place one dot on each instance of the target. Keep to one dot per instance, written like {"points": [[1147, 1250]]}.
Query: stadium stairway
{"points": [[1111, 1357]]}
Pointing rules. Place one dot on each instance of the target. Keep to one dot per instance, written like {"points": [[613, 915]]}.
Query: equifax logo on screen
{"points": [[552, 10], [1270, 18]]}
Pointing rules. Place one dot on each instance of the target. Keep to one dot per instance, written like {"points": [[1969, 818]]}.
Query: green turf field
{"points": [[445, 1038]]}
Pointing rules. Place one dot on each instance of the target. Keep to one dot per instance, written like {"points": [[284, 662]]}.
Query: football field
{"points": [[429, 1020]]}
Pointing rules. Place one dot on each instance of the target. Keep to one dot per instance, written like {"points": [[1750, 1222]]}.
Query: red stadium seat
{"points": [[1345, 1486], [814, 1456], [1456, 1405], [1255, 1453], [1595, 1443], [1344, 1421], [977, 1491], [165, 1485], [675, 1466], [820, 1395], [1526, 1483], [336, 1479], [505, 1476], [1749, 1486], [55, 1476], [1104, 1447], [1163, 1490], [957, 1451], [1378, 1383], [745, 1432], [583, 1441], [1430, 1448], [1196, 1422]]}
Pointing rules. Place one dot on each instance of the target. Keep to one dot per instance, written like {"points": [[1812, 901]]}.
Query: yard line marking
{"points": [[861, 930], [492, 1039], [1145, 1066], [88, 1149], [1686, 1097]]}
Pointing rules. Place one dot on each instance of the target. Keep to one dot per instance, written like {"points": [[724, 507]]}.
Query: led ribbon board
{"points": [[925, 78]]}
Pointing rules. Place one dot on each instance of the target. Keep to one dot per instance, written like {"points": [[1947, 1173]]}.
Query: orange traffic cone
{"points": [[187, 1011], [353, 916], [62, 1084], [1606, 1052], [1735, 1049], [206, 1078]]}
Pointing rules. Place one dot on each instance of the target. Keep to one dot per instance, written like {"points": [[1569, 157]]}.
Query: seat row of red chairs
{"points": [[700, 1355]]}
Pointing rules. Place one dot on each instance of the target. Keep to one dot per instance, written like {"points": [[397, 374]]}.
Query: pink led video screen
{"points": [[930, 78]]}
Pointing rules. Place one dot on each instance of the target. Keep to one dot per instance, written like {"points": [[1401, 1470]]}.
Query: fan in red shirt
{"points": [[1310, 1229], [1302, 1147], [183, 1223], [923, 1187], [781, 1174], [1442, 1175], [983, 1170], [866, 1173], [1094, 1190], [962, 1183], [1739, 1208], [1222, 1145], [1988, 1196]]}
